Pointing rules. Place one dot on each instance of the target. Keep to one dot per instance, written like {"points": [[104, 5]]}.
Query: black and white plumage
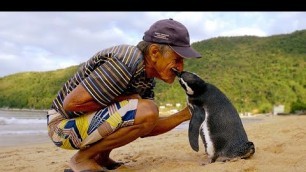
{"points": [[215, 119]]}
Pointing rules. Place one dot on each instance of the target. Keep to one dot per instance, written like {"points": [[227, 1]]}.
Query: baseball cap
{"points": [[173, 33]]}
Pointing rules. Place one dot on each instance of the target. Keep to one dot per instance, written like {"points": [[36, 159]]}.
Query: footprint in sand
{"points": [[299, 136], [278, 148], [250, 169]]}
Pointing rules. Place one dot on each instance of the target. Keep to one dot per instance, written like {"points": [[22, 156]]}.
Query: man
{"points": [[109, 103]]}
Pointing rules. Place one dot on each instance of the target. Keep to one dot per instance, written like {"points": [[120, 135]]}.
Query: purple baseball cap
{"points": [[173, 33]]}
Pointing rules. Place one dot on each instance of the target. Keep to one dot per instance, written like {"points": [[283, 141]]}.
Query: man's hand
{"points": [[186, 113]]}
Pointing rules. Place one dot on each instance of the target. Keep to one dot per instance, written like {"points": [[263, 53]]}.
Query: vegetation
{"points": [[254, 72], [32, 90]]}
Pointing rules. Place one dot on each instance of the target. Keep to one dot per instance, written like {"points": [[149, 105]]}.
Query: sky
{"points": [[46, 41]]}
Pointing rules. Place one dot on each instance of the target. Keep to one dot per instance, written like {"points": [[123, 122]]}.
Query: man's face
{"points": [[168, 59]]}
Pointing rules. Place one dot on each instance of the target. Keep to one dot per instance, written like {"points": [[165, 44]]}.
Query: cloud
{"points": [[243, 32], [40, 41]]}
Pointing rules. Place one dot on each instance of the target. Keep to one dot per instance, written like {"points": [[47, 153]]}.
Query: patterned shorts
{"points": [[82, 131]]}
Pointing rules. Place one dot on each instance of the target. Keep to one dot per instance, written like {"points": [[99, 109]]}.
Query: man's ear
{"points": [[154, 52]]}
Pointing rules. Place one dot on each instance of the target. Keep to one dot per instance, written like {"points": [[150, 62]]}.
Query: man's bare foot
{"points": [[84, 164], [107, 162]]}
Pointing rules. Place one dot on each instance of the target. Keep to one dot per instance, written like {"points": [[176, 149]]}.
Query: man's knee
{"points": [[147, 112]]}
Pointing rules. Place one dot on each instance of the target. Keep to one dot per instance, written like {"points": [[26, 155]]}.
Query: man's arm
{"points": [[165, 124], [80, 100]]}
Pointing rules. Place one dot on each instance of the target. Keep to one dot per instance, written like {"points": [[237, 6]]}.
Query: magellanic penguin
{"points": [[215, 119]]}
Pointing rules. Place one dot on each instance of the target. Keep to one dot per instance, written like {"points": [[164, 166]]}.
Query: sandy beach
{"points": [[279, 142]]}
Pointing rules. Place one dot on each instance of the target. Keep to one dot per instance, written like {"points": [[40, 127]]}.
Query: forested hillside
{"points": [[254, 72], [33, 90]]}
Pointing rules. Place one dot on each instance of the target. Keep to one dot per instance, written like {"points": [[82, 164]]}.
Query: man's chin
{"points": [[169, 80]]}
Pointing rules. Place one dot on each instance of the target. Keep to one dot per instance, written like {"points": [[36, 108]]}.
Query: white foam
{"points": [[25, 132], [13, 120]]}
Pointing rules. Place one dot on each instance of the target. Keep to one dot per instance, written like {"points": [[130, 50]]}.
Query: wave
{"points": [[30, 132], [12, 120]]}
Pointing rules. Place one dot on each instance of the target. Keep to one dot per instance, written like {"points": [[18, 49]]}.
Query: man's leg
{"points": [[145, 120], [104, 160], [146, 124], [163, 125]]}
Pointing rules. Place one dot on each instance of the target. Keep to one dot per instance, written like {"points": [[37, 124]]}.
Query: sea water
{"points": [[30, 127], [22, 127], [19, 127]]}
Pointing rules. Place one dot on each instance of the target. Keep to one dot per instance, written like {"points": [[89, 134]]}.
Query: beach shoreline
{"points": [[19, 128], [279, 143], [13, 140]]}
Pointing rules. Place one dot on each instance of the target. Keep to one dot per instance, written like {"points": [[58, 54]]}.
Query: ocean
{"points": [[22, 127], [30, 127]]}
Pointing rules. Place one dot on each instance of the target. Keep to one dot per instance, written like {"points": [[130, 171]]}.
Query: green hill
{"points": [[254, 72], [33, 90]]}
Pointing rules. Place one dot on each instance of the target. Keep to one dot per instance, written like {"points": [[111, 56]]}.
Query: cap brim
{"points": [[186, 52]]}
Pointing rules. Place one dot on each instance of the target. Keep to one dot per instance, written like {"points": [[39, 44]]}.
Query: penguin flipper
{"points": [[198, 116]]}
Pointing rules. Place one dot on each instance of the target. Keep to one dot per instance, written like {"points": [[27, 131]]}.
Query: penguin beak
{"points": [[176, 72]]}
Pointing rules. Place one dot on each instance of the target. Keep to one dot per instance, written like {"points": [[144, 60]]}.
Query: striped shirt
{"points": [[115, 71]]}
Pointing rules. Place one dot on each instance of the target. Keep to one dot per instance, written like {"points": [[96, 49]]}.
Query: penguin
{"points": [[215, 120]]}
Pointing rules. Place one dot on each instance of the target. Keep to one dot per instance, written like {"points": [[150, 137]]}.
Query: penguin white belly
{"points": [[210, 147]]}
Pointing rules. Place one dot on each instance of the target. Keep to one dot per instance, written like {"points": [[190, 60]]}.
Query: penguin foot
{"points": [[208, 161]]}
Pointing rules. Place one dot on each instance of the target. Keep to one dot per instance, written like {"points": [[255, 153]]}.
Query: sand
{"points": [[280, 143]]}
